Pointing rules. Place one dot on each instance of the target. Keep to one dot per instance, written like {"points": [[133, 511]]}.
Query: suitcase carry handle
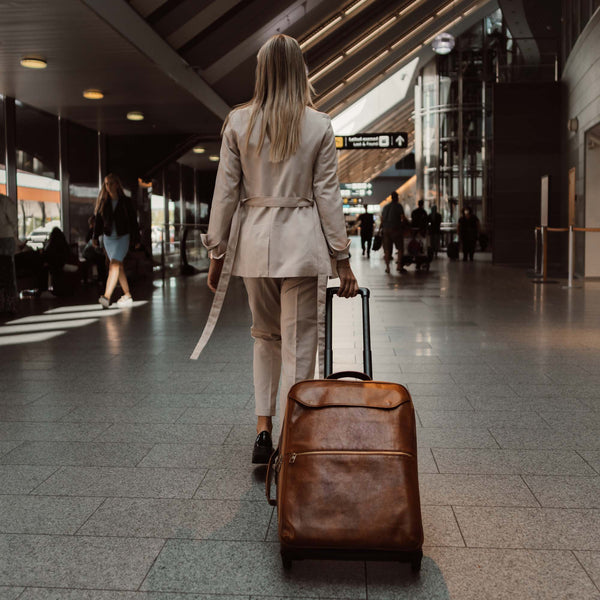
{"points": [[353, 374], [270, 469], [366, 323]]}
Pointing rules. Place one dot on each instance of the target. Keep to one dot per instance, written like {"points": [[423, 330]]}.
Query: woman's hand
{"points": [[214, 273], [348, 283]]}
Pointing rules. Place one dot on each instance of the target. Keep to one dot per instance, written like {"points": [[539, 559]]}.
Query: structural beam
{"points": [[125, 20]]}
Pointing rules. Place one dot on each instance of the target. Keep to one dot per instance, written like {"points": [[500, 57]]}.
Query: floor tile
{"points": [[441, 403], [67, 561], [10, 593], [193, 519], [437, 437], [122, 482], [62, 594], [591, 564], [196, 456], [21, 479], [77, 454], [51, 432], [164, 433], [249, 568], [136, 414], [216, 415], [42, 514], [440, 527], [522, 462], [479, 419], [534, 528], [234, 484], [6, 447], [565, 492], [592, 458], [475, 490], [39, 413]]}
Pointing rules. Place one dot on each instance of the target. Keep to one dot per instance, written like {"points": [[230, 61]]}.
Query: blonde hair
{"points": [[104, 194], [281, 93]]}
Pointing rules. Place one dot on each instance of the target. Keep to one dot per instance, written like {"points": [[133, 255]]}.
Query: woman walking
{"points": [[117, 222], [277, 221]]}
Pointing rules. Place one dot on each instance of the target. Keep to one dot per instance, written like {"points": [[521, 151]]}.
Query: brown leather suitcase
{"points": [[346, 467]]}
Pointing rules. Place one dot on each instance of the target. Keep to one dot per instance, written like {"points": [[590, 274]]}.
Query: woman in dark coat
{"points": [[116, 221]]}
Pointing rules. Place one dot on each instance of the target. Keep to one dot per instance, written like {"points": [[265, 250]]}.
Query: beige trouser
{"points": [[284, 328]]}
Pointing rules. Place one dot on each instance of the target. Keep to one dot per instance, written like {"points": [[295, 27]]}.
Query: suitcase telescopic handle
{"points": [[366, 326]]}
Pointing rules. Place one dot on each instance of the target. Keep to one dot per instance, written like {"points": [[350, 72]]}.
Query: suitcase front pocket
{"points": [[363, 500]]}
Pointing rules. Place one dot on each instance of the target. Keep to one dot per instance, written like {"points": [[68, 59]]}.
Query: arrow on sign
{"points": [[400, 140]]}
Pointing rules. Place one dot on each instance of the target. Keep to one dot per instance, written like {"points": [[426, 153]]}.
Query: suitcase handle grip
{"points": [[366, 323], [270, 469], [353, 374]]}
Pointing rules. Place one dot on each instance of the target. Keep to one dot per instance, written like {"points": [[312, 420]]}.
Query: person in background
{"points": [[8, 231], [276, 183], [365, 222], [468, 232], [435, 224], [419, 218], [94, 255], [392, 227], [116, 221]]}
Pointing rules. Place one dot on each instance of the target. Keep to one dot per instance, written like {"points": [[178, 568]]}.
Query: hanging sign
{"points": [[371, 141]]}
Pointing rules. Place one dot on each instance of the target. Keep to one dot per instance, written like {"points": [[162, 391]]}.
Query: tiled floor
{"points": [[125, 473]]}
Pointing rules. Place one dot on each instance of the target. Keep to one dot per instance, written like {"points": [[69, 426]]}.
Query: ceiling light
{"points": [[371, 35], [135, 115], [33, 62], [320, 32], [368, 65], [443, 43], [354, 7], [198, 150], [93, 94], [326, 68], [412, 32], [214, 158]]}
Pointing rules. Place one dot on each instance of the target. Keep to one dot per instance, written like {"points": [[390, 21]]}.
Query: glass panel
{"points": [[38, 186], [2, 149], [82, 151]]}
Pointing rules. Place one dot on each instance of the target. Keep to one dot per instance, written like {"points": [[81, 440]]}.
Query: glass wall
{"points": [[82, 152], [575, 16], [38, 184], [2, 149]]}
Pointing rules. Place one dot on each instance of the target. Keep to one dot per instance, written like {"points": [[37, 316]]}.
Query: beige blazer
{"points": [[290, 215]]}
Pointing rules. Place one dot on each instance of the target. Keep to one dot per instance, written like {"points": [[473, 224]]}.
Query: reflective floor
{"points": [[125, 468]]}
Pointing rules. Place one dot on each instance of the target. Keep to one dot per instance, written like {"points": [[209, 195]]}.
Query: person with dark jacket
{"points": [[365, 222], [435, 224], [392, 225], [116, 221], [419, 218], [468, 232]]}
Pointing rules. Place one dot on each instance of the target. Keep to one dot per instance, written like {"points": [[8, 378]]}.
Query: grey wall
{"points": [[581, 77]]}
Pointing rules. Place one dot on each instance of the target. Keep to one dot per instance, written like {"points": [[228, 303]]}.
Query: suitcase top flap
{"points": [[320, 393]]}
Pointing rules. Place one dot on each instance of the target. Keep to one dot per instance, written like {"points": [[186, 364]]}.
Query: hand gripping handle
{"points": [[366, 323]]}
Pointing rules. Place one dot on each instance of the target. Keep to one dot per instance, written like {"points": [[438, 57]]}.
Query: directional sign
{"points": [[371, 141]]}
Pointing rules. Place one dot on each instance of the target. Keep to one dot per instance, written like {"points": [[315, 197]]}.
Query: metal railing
{"points": [[542, 262]]}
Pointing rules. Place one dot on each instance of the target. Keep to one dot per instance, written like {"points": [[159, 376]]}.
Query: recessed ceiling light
{"points": [[135, 115], [213, 157], [443, 43], [198, 150], [93, 94], [33, 62]]}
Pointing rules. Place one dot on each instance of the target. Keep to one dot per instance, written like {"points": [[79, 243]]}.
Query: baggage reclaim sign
{"points": [[371, 141]]}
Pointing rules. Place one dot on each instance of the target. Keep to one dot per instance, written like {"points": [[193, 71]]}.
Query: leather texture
{"points": [[347, 468]]}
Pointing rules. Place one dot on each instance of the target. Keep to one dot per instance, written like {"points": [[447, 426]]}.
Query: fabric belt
{"points": [[232, 243]]}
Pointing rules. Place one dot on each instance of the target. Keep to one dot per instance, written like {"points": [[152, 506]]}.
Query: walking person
{"points": [[392, 227], [468, 232], [365, 222], [116, 221], [419, 218], [435, 225], [277, 221]]}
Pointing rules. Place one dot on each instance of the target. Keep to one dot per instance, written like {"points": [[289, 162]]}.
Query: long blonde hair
{"points": [[104, 193], [281, 93]]}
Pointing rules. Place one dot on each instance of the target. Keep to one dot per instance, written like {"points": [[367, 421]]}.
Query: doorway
{"points": [[592, 201]]}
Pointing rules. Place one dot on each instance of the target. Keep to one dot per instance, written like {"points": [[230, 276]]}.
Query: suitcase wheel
{"points": [[286, 562], [415, 564]]}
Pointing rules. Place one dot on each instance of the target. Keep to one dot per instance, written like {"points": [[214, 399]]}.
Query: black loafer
{"points": [[263, 448]]}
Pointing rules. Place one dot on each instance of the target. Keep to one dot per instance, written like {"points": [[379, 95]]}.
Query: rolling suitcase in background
{"points": [[346, 466]]}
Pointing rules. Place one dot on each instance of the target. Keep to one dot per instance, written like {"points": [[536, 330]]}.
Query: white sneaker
{"points": [[125, 301], [104, 301]]}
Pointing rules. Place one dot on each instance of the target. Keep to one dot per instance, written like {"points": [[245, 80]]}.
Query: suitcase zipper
{"points": [[294, 455]]}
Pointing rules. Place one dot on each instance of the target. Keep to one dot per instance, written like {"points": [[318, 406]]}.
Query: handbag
{"points": [[377, 242]]}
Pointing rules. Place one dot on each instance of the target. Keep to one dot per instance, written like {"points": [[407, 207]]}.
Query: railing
{"points": [[543, 233]]}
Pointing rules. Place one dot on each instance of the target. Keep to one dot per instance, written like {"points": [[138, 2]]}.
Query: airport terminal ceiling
{"points": [[184, 63]]}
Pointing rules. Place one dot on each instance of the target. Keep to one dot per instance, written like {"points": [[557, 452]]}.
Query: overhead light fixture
{"points": [[443, 43], [198, 150], [355, 6], [34, 62], [213, 158], [368, 65], [326, 68], [135, 115], [93, 94], [412, 33], [317, 34], [371, 35]]}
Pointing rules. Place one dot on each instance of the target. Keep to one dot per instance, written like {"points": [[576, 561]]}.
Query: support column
{"points": [[63, 174], [10, 158]]}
